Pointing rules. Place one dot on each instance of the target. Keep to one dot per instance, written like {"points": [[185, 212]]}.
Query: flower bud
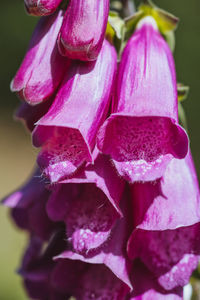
{"points": [[142, 134], [43, 67], [82, 33], [41, 7]]}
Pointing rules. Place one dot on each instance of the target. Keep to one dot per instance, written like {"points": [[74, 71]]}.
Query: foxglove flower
{"points": [[88, 204], [112, 253], [142, 135], [83, 29], [68, 131], [28, 207], [43, 67], [41, 7], [170, 202], [92, 234]]}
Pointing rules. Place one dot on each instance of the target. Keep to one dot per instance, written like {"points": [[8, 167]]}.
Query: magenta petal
{"points": [[103, 176], [42, 7], [43, 67], [179, 275], [170, 202], [171, 255], [142, 170], [154, 295], [143, 128], [83, 29], [67, 133]]}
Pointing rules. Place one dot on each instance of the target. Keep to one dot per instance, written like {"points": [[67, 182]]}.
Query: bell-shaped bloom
{"points": [[28, 207], [41, 7], [88, 204], [170, 202], [43, 67], [83, 29], [29, 114], [171, 255], [113, 252], [67, 133], [142, 134]]}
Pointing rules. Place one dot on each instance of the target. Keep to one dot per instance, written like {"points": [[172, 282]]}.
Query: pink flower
{"points": [[88, 204], [83, 29], [142, 134], [43, 67], [67, 133]]}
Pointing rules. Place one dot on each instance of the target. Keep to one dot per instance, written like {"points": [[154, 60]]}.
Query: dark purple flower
{"points": [[28, 207]]}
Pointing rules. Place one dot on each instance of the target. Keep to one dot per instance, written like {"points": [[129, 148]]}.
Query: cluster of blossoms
{"points": [[113, 208]]}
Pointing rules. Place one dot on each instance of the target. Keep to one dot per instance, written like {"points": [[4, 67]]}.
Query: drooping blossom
{"points": [[67, 133], [142, 134], [28, 207], [88, 204], [112, 253], [43, 67], [83, 29], [41, 7]]}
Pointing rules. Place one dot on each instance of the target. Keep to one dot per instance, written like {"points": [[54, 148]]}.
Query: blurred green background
{"points": [[16, 153]]}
